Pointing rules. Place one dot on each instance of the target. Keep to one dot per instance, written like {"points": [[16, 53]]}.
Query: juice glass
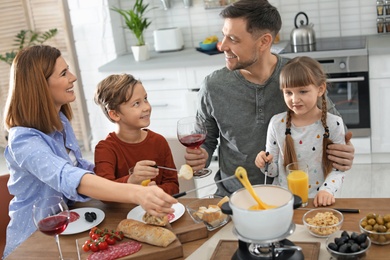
{"points": [[298, 180]]}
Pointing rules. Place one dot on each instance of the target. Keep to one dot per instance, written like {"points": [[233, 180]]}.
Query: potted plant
{"points": [[137, 23], [27, 38]]}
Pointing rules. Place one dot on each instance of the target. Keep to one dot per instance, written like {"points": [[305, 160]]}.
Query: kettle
{"points": [[304, 34]]}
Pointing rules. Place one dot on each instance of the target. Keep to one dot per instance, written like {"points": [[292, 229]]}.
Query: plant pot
{"points": [[140, 52]]}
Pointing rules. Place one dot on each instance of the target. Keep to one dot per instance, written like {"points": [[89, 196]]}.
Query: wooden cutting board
{"points": [[147, 252], [187, 230]]}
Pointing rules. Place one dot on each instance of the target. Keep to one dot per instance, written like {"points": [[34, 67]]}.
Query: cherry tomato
{"points": [[94, 247], [111, 240], [95, 236], [86, 247], [119, 235], [92, 231], [103, 245]]}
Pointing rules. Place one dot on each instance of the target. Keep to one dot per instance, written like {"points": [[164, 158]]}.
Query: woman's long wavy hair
{"points": [[298, 72], [29, 102]]}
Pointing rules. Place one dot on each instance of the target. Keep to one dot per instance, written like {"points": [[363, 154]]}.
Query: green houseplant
{"points": [[137, 23], [27, 38]]}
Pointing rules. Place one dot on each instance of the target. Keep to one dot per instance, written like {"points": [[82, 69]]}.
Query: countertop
{"points": [[190, 58]]}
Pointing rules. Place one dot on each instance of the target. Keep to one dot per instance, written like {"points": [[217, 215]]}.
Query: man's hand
{"points": [[342, 155], [196, 158]]}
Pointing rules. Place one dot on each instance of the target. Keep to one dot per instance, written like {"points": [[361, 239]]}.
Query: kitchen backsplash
{"points": [[100, 38], [331, 18]]}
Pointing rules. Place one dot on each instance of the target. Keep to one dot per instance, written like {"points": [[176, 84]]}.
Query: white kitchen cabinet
{"points": [[195, 75], [380, 107]]}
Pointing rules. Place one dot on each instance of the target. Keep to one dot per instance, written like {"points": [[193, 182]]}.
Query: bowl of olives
{"points": [[377, 228], [344, 245]]}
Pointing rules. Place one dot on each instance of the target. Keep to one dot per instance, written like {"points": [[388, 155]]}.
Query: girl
{"points": [[128, 154], [304, 131]]}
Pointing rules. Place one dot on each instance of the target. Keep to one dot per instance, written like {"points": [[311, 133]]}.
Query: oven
{"points": [[345, 60]]}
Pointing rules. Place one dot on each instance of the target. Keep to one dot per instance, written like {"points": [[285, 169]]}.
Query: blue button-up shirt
{"points": [[40, 166]]}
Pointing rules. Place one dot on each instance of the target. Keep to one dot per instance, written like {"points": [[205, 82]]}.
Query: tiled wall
{"points": [[99, 37]]}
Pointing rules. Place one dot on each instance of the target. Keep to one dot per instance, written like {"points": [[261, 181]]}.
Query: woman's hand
{"points": [[155, 201], [143, 170], [342, 155], [196, 158], [262, 158], [323, 198]]}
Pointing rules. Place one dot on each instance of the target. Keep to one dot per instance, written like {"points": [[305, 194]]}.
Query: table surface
{"points": [[40, 246]]}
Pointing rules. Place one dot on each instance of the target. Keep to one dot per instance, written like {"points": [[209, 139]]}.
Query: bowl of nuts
{"points": [[344, 245], [377, 228], [322, 222]]}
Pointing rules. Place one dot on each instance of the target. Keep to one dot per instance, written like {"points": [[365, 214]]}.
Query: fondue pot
{"points": [[261, 225]]}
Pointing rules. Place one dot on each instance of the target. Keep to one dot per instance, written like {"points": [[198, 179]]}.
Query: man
{"points": [[237, 102]]}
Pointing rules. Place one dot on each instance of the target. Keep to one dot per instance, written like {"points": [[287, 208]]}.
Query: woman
{"points": [[43, 156]]}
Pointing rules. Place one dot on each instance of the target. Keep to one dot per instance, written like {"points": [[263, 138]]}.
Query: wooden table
{"points": [[40, 246]]}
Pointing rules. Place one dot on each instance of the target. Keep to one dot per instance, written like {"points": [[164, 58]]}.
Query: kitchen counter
{"points": [[189, 58]]}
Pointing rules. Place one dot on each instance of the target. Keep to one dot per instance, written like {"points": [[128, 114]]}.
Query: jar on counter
{"points": [[379, 8], [380, 24], [387, 24], [387, 7]]}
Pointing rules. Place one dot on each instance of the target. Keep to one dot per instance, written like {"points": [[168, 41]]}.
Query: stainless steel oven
{"points": [[345, 60]]}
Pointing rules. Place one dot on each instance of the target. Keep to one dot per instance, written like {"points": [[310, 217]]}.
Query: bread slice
{"points": [[213, 215], [186, 172], [153, 220], [157, 236]]}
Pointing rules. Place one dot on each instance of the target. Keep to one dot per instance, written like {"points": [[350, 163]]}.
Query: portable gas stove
{"points": [[278, 248]]}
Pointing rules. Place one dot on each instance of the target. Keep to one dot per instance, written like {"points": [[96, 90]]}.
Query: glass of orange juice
{"points": [[298, 180]]}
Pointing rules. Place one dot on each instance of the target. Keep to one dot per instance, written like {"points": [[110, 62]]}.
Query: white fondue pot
{"points": [[261, 225]]}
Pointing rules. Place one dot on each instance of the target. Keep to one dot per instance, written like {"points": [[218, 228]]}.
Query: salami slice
{"points": [[116, 251], [73, 216], [171, 217]]}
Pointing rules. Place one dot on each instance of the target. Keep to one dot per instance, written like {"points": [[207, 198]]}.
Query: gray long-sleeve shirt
{"points": [[238, 113]]}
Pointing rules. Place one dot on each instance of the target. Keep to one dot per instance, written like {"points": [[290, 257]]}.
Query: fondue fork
{"points": [[266, 169], [165, 168], [183, 193]]}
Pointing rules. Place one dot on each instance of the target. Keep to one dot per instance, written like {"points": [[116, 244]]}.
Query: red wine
{"points": [[193, 141], [53, 225]]}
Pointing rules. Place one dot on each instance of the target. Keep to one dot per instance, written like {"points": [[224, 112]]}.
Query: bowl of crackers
{"points": [[208, 210], [322, 222]]}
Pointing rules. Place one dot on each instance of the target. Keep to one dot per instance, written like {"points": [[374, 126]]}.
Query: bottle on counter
{"points": [[380, 25]]}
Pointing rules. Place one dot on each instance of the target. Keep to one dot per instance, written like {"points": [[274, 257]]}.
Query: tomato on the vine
{"points": [[94, 247], [95, 236], [119, 235], [86, 247], [92, 231], [103, 245], [111, 240]]}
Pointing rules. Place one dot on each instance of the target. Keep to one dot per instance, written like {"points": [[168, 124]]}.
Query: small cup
{"points": [[298, 180]]}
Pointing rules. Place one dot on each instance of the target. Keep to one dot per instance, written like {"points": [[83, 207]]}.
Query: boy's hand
{"points": [[143, 170]]}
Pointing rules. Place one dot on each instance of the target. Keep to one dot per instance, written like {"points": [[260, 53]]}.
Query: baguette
{"points": [[157, 236]]}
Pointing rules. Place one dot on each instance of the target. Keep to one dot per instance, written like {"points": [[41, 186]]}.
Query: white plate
{"points": [[138, 212], [81, 224]]}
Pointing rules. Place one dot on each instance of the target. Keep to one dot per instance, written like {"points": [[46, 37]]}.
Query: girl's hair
{"points": [[114, 90], [260, 16], [29, 102], [298, 72]]}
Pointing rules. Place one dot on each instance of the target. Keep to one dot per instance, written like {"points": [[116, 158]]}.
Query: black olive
{"points": [[333, 246], [344, 248], [93, 214], [355, 248], [364, 245], [88, 217], [354, 235], [361, 238], [345, 234], [341, 241]]}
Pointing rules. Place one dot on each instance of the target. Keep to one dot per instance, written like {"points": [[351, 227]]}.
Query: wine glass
{"points": [[51, 216], [191, 133]]}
